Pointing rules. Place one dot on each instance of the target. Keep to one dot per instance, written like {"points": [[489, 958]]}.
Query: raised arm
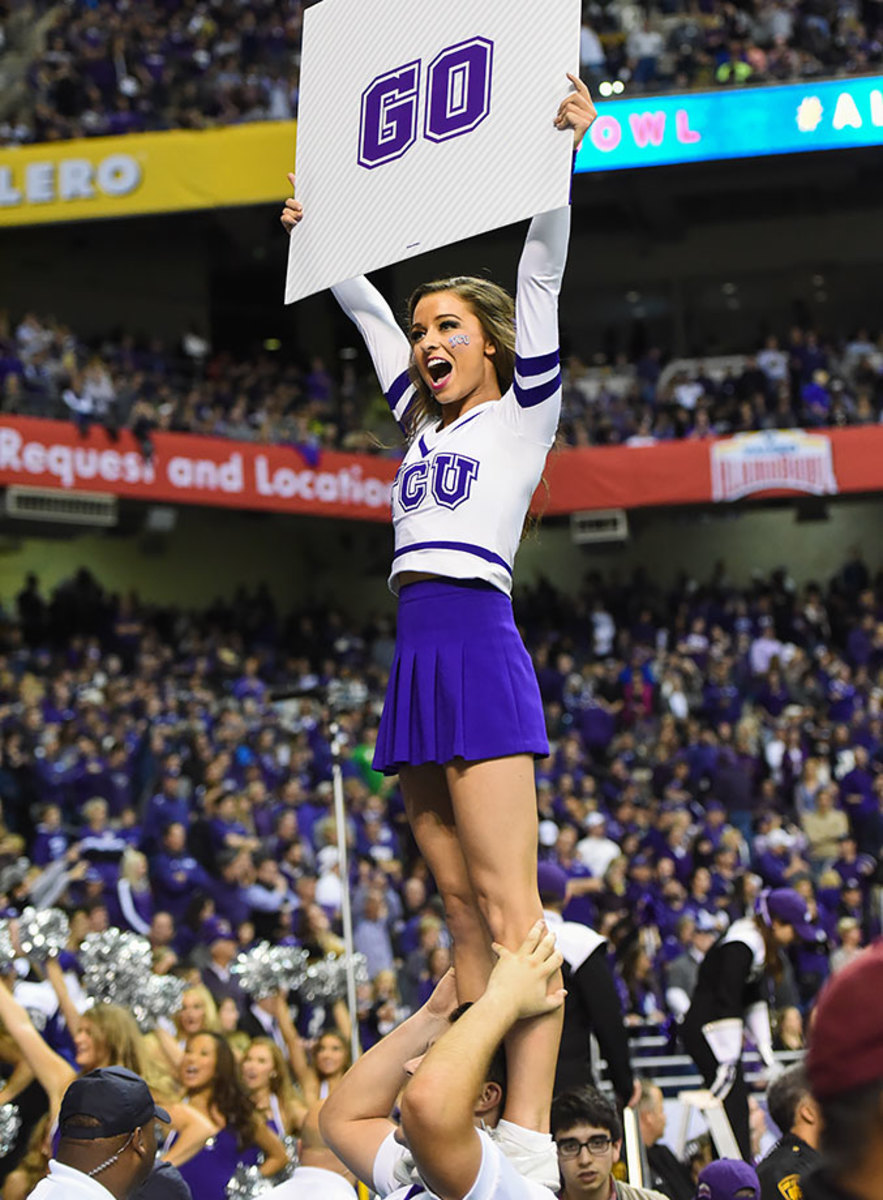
{"points": [[52, 1071], [69, 1012], [438, 1105], [192, 1131], [355, 1119], [385, 340], [537, 391]]}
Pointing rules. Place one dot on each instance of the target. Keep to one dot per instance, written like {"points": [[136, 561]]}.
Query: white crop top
{"points": [[462, 491]]}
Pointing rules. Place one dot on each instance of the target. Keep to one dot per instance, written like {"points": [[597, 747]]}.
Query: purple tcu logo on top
{"points": [[449, 477], [458, 98]]}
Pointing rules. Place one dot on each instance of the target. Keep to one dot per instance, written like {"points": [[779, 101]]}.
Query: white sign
{"points": [[421, 125]]}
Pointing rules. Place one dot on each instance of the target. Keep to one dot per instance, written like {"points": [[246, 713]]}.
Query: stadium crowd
{"points": [[707, 742], [169, 773], [115, 68], [801, 380]]}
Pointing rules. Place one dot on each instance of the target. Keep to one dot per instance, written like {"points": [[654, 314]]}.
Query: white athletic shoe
{"points": [[532, 1154]]}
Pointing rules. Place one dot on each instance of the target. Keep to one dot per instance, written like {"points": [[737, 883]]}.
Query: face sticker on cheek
{"points": [[459, 339]]}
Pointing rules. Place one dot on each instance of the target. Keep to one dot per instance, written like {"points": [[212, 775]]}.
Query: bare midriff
{"points": [[407, 577]]}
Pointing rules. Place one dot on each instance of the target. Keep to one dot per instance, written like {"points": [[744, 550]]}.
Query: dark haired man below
{"points": [[793, 1108], [107, 1149], [588, 1134], [845, 1068], [454, 1081]]}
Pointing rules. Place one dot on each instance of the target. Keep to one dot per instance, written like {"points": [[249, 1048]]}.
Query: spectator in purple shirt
{"points": [[50, 840], [226, 888], [175, 874], [166, 807], [99, 844], [249, 684]]}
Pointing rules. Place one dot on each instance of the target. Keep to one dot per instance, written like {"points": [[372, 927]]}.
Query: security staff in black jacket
{"points": [[592, 1005], [795, 1111]]}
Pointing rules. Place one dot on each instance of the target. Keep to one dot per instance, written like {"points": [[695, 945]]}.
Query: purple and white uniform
{"points": [[462, 492]]}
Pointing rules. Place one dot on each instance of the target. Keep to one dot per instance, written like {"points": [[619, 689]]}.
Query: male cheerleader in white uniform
{"points": [[451, 1088]]}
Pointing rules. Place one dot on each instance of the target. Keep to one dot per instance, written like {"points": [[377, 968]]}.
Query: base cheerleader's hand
{"points": [[521, 977], [292, 211], [576, 111]]}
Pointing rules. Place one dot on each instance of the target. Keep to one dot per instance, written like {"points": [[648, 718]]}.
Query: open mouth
{"points": [[439, 369]]}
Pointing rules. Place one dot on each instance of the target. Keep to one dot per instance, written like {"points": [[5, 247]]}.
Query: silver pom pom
{"points": [[161, 997], [247, 1182], [43, 934], [267, 969], [326, 980], [39, 1020], [116, 967], [10, 1123], [360, 969], [289, 1141], [8, 952]]}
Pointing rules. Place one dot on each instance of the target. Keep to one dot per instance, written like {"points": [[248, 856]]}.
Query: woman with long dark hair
{"points": [[213, 1087]]}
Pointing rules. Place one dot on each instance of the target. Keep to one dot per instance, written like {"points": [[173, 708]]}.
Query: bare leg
{"points": [[428, 805], [495, 810]]}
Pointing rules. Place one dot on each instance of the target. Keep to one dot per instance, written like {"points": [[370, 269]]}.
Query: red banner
{"points": [[787, 462], [186, 469]]}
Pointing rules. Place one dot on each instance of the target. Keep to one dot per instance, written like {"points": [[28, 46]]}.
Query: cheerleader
{"points": [[266, 1076], [104, 1036], [239, 1137], [319, 1076], [731, 994], [475, 383]]}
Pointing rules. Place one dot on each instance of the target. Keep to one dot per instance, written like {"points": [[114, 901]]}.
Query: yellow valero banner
{"points": [[145, 173]]}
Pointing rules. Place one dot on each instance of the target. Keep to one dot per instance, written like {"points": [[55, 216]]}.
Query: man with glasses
{"points": [[588, 1134]]}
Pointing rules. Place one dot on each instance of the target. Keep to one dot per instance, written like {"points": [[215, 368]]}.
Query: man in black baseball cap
{"points": [[108, 1138]]}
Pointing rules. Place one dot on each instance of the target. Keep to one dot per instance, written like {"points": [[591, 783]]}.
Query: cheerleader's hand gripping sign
{"points": [[422, 125]]}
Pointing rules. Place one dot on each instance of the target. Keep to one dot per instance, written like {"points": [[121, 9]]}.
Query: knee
{"points": [[508, 911], [462, 914]]}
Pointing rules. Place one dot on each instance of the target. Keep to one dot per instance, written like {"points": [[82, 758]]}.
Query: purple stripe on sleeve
{"points": [[529, 397], [539, 364], [397, 389], [464, 547]]}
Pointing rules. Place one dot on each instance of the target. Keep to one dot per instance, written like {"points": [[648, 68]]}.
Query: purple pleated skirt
{"points": [[462, 684]]}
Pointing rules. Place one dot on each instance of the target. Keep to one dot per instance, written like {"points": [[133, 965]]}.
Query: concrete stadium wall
{"points": [[310, 560], [747, 539], [210, 554]]}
